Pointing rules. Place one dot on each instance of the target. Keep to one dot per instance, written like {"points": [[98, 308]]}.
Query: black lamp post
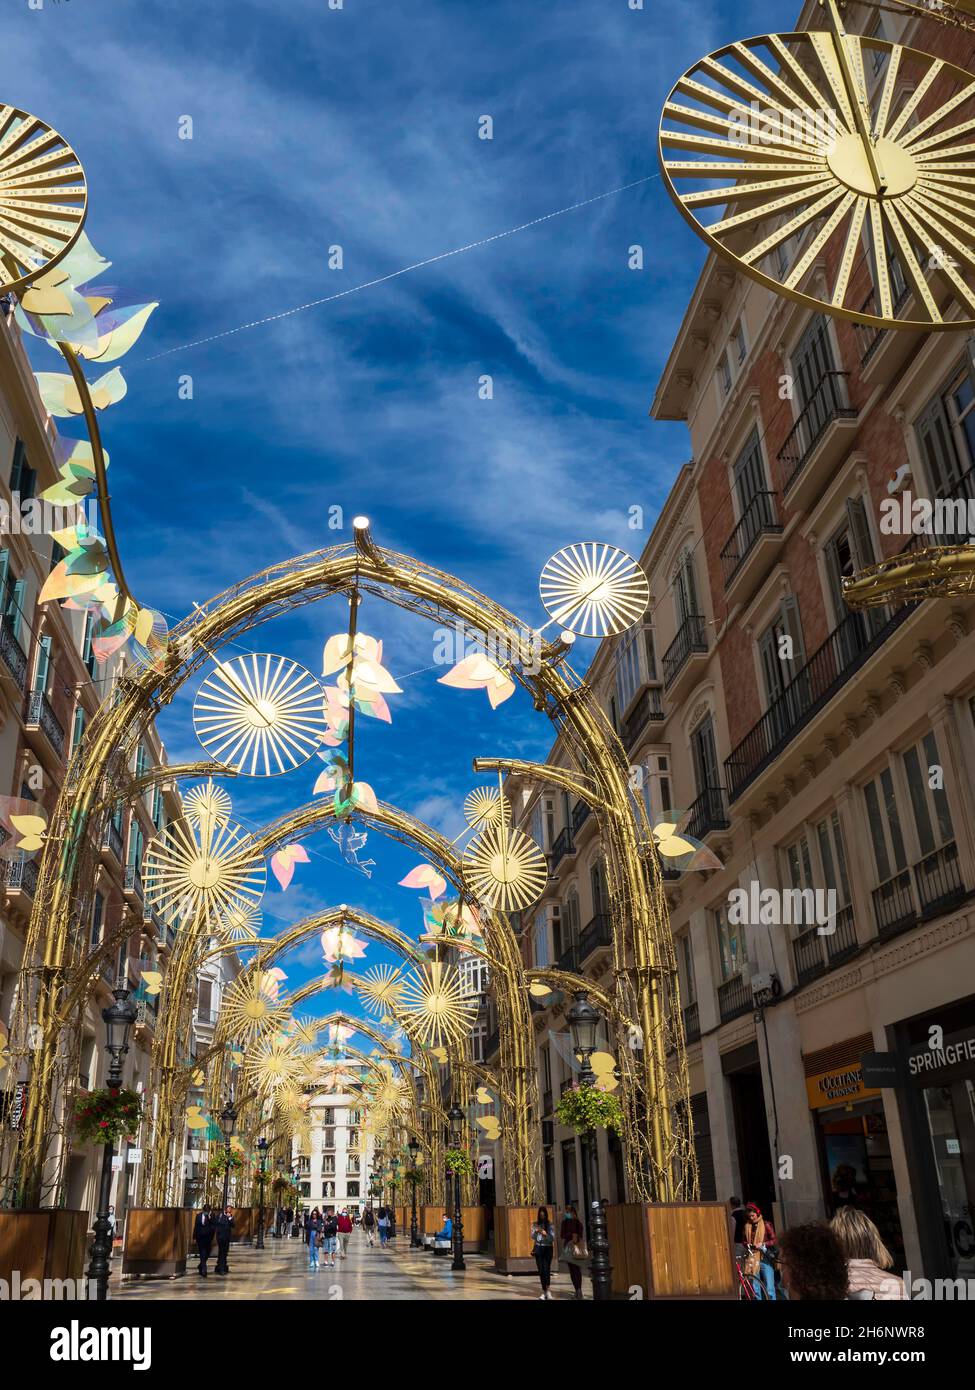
{"points": [[583, 1022], [455, 1119], [228, 1123], [262, 1154], [414, 1148], [278, 1208], [119, 1018], [392, 1210]]}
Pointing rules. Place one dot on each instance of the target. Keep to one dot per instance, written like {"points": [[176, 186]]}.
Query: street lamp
{"points": [[414, 1148], [262, 1155], [455, 1119], [119, 1018], [228, 1123], [583, 1022]]}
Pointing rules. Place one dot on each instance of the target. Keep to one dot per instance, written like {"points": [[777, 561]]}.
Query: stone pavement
{"points": [[280, 1271]]}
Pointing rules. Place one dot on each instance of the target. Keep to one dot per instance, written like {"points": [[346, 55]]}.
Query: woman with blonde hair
{"points": [[867, 1257]]}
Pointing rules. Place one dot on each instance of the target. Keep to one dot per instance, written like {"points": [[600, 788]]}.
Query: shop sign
{"points": [[881, 1069], [835, 1087], [951, 1054]]}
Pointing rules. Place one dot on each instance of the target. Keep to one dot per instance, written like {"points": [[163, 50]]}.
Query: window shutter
{"points": [[43, 664], [78, 728], [17, 607], [937, 448]]}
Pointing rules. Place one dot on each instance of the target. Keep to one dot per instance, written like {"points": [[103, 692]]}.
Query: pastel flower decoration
{"points": [[283, 863], [61, 397], [424, 876], [478, 672], [339, 944]]}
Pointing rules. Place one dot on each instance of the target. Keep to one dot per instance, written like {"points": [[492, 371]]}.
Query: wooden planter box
{"points": [[157, 1240], [512, 1241], [245, 1225], [671, 1250], [429, 1220], [43, 1243]]}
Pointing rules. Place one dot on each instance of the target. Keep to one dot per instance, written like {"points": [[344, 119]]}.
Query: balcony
{"points": [[734, 999], [581, 812], [14, 656], [829, 668], [647, 710], [41, 716], [133, 883], [686, 654], [112, 839], [596, 935], [562, 848], [951, 513], [807, 953], [751, 547], [22, 876], [492, 1045], [818, 440], [939, 882], [692, 1024], [547, 1102], [151, 919], [893, 906], [842, 944], [570, 959], [206, 1018], [709, 812]]}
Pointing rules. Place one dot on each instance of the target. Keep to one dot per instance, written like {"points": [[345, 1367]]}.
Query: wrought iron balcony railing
{"points": [[734, 998], [596, 933], [760, 518], [692, 1023], [939, 881], [112, 839], [709, 812], [692, 636], [562, 846], [40, 713], [14, 656], [647, 710], [133, 881], [22, 875], [580, 814], [826, 404]]}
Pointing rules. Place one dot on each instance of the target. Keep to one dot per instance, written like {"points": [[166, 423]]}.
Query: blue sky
{"points": [[358, 127]]}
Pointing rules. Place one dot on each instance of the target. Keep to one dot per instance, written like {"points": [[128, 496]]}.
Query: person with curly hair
{"points": [[812, 1263]]}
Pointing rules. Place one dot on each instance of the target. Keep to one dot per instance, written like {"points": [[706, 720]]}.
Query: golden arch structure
{"points": [[654, 1090]]}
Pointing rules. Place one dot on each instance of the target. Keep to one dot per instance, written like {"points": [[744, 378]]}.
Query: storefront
{"points": [[937, 1094], [852, 1139]]}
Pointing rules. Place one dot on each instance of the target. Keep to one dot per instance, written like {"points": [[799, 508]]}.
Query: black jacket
{"points": [[203, 1227], [225, 1226]]}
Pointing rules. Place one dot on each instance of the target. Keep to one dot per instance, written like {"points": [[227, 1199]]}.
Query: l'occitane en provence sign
{"points": [[835, 1087]]}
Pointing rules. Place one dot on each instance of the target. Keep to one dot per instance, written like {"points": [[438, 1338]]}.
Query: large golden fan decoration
{"points": [[197, 871], [43, 198], [386, 1094], [271, 1062], [261, 714], [593, 589], [251, 1008], [504, 868], [798, 152], [485, 806], [380, 988], [433, 1007]]}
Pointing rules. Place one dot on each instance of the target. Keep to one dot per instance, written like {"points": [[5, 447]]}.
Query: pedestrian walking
{"points": [[543, 1247], [867, 1257], [573, 1241], [203, 1231], [224, 1232], [755, 1236], [314, 1238], [330, 1231], [812, 1263], [344, 1231], [383, 1223], [369, 1225]]}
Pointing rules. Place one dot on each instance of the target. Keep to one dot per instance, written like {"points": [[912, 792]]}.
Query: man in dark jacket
{"points": [[203, 1228], [225, 1229]]}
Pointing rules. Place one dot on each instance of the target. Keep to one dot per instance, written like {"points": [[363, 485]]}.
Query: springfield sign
{"points": [[934, 1058], [835, 1087]]}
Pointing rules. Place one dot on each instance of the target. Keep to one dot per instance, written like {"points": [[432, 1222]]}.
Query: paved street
{"points": [[281, 1272]]}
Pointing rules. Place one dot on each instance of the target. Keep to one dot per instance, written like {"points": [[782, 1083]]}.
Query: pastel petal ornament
{"points": [[60, 395], [339, 943], [31, 831], [283, 863], [152, 979], [478, 672], [424, 876], [682, 851]]}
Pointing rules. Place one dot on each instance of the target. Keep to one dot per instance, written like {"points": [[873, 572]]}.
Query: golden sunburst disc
{"points": [[207, 804], [784, 157], [594, 590], [433, 1006], [505, 868], [43, 198], [196, 871], [485, 806], [261, 714], [379, 988], [250, 1009]]}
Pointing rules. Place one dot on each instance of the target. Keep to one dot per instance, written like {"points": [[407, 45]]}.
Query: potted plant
{"points": [[459, 1163], [108, 1115], [584, 1108]]}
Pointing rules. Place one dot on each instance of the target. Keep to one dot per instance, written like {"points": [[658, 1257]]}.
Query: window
{"points": [[876, 58], [749, 474], [685, 964], [474, 975], [77, 728], [328, 1116], [43, 665], [204, 999], [945, 433], [799, 864], [811, 361], [597, 882], [738, 343], [23, 479], [352, 1189], [685, 589], [705, 757], [833, 854], [724, 374], [782, 656], [87, 650], [479, 1034], [884, 823], [629, 668], [12, 596], [541, 955], [97, 917], [328, 1141], [732, 951], [848, 550], [572, 918], [929, 805]]}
